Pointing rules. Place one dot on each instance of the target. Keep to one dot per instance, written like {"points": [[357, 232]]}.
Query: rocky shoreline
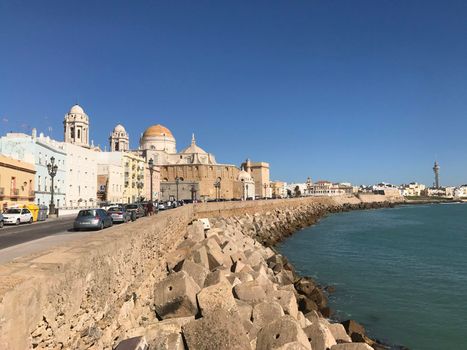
{"points": [[228, 288]]}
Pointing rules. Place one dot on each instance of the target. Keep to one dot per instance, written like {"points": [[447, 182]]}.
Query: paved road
{"points": [[13, 235]]}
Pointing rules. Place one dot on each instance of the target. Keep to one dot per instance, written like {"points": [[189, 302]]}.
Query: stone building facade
{"points": [[76, 127], [260, 173], [119, 139]]}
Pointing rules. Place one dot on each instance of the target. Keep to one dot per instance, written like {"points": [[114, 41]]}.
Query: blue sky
{"points": [[360, 91]]}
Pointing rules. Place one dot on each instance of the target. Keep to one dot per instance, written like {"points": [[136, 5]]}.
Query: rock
{"points": [[339, 333], [293, 346], [166, 334], [217, 296], [281, 332], [265, 312], [319, 336], [219, 330], [175, 296], [356, 331], [175, 259], [199, 255], [218, 275], [285, 277], [352, 346], [238, 256], [216, 258], [286, 299], [302, 321], [305, 286], [135, 343], [250, 292], [244, 309], [195, 231], [305, 304], [196, 271]]}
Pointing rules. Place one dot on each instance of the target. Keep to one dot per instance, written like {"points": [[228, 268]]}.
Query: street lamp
{"points": [[193, 193], [151, 170], [177, 181], [217, 185], [52, 169]]}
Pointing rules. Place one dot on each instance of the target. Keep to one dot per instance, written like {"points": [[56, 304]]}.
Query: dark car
{"points": [[119, 214], [97, 219], [137, 209]]}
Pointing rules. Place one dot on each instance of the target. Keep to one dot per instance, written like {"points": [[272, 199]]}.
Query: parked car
{"points": [[119, 214], [16, 216], [97, 219], [161, 206], [1, 220], [137, 208]]}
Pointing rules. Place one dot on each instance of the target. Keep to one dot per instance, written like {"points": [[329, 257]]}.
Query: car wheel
{"points": [[101, 226], [30, 220], [18, 222]]}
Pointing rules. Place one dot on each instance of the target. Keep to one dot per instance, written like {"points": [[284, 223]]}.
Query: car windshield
{"points": [[86, 213], [132, 206], [13, 211], [115, 209]]}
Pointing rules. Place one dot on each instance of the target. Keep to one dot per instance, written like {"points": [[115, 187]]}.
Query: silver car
{"points": [[96, 219], [119, 214]]}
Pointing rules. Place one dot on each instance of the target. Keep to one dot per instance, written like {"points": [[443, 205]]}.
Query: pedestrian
{"points": [[150, 208]]}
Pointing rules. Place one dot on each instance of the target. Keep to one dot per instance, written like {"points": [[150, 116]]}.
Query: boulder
{"points": [[175, 296], [352, 346], [306, 305], [356, 331], [265, 312], [339, 333], [195, 231], [250, 292], [305, 286], [216, 258], [319, 336], [166, 334], [135, 343], [199, 255], [175, 259], [281, 332], [238, 256], [216, 296], [196, 271], [218, 330], [286, 299], [244, 309]]}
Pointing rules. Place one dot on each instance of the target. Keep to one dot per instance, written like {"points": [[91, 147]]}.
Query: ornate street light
{"points": [[193, 193], [177, 181], [217, 185], [151, 170], [52, 169]]}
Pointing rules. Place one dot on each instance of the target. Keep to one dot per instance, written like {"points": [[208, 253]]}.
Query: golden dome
{"points": [[157, 130]]}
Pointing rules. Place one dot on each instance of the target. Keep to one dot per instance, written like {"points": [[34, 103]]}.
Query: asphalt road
{"points": [[13, 235]]}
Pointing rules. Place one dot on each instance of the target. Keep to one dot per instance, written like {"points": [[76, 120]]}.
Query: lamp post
{"points": [[151, 170], [52, 170], [217, 185], [193, 193], [177, 181]]}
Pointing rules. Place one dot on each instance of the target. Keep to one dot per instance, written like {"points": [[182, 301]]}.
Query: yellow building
{"points": [[134, 183], [278, 189], [16, 182]]}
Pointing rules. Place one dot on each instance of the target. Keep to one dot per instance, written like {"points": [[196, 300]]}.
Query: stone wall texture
{"points": [[89, 293]]}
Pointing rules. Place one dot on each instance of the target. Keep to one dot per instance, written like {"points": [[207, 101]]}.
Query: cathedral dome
{"points": [[76, 109], [157, 130], [119, 128], [244, 176]]}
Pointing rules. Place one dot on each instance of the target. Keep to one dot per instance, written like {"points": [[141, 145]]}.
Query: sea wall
{"points": [[96, 292]]}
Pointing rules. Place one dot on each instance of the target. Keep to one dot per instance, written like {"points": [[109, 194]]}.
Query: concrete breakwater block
{"points": [[352, 346], [219, 330], [217, 296], [250, 292], [319, 336], [279, 333], [175, 296]]}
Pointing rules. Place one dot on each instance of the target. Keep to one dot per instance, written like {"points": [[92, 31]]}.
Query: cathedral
{"points": [[192, 173]]}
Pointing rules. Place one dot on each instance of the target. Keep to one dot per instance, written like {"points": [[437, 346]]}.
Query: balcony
{"points": [[32, 194], [14, 192]]}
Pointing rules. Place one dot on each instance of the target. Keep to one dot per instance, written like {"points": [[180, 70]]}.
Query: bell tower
{"points": [[76, 127]]}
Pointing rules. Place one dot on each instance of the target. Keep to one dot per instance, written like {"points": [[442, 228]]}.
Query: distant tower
{"points": [[76, 127], [436, 171], [119, 140]]}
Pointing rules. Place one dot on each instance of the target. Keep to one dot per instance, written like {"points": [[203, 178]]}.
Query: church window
{"points": [[79, 133]]}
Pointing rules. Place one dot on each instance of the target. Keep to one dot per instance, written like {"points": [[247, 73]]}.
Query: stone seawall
{"points": [[94, 293]]}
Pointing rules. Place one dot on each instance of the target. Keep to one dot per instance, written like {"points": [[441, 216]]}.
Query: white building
{"points": [[76, 127], [413, 189], [248, 185], [81, 176], [111, 176]]}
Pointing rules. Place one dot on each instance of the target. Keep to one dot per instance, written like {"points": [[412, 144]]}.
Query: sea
{"points": [[401, 272]]}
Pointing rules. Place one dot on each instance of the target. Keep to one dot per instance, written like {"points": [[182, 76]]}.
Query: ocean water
{"points": [[401, 272]]}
